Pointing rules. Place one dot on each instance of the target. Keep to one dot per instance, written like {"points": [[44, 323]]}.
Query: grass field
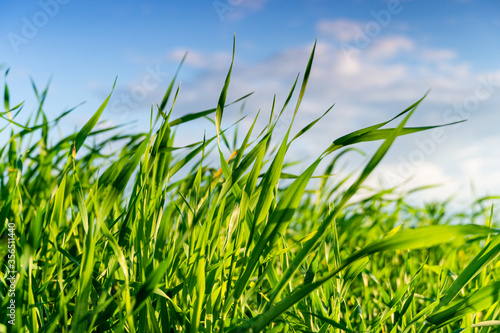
{"points": [[152, 237]]}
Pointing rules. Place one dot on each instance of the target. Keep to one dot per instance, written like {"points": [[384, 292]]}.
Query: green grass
{"points": [[152, 238]]}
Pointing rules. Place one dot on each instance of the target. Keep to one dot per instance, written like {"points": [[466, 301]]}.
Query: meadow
{"points": [[155, 237]]}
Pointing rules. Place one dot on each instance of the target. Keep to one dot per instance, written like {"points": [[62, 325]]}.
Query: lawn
{"points": [[155, 237]]}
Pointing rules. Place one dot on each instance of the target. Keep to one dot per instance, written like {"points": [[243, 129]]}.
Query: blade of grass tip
{"points": [[65, 113], [341, 142], [223, 95], [87, 128], [311, 124], [6, 95], [329, 168], [223, 135], [12, 122], [289, 97], [236, 128], [35, 90], [240, 151], [173, 102], [166, 97], [270, 127], [41, 99], [162, 141], [18, 107], [305, 80], [192, 116], [195, 152], [271, 116], [380, 134]]}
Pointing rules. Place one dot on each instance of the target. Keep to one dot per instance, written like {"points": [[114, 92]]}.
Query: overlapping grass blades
{"points": [[156, 237]]}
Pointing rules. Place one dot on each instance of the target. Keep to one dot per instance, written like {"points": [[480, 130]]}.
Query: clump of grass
{"points": [[152, 239]]}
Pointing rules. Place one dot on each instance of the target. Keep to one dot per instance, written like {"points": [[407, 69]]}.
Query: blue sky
{"points": [[374, 58]]}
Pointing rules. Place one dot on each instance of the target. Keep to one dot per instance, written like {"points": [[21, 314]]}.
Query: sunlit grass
{"points": [[151, 238]]}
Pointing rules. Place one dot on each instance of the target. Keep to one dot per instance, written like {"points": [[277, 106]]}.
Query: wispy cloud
{"points": [[237, 9], [437, 54], [388, 47], [342, 30]]}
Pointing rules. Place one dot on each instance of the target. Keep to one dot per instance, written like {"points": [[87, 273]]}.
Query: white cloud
{"points": [[239, 9], [425, 173], [370, 86], [342, 30], [480, 163], [437, 54], [388, 47]]}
